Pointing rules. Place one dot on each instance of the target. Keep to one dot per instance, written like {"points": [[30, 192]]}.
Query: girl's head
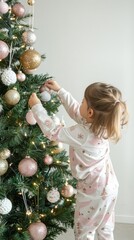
{"points": [[106, 110]]}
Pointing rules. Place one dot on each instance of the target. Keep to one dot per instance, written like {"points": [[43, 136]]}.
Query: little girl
{"points": [[98, 118]]}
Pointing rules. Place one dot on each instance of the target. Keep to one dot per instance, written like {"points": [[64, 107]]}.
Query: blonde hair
{"points": [[110, 111]]}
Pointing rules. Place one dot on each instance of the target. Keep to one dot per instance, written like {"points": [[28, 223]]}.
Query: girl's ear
{"points": [[90, 112]]}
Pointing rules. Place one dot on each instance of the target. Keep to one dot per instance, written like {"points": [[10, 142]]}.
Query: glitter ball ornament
{"points": [[3, 166], [58, 147], [5, 153], [48, 160], [12, 97], [5, 206], [45, 96], [3, 7], [4, 50], [28, 167], [67, 191], [19, 10], [21, 77], [29, 37], [53, 195], [31, 2], [37, 230], [30, 59], [8, 77], [30, 118]]}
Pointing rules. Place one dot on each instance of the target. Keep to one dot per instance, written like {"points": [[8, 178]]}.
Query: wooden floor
{"points": [[122, 232]]}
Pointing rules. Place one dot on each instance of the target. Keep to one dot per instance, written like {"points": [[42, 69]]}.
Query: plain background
{"points": [[86, 41]]}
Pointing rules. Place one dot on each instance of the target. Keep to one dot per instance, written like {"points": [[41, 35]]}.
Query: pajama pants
{"points": [[94, 216]]}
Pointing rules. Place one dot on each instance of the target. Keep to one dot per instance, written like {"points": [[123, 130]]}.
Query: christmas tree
{"points": [[36, 188]]}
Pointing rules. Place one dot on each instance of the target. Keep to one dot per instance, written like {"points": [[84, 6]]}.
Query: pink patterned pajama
{"points": [[91, 165], [94, 216]]}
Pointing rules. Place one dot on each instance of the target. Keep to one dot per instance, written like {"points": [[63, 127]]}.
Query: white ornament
{"points": [[53, 195], [8, 77], [29, 37], [45, 96], [5, 206]]}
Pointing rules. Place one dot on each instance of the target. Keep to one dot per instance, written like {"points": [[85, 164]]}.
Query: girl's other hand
{"points": [[52, 85]]}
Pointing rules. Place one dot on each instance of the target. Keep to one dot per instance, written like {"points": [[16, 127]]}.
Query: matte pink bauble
{"points": [[48, 160], [4, 50], [18, 9], [27, 167], [3, 7], [30, 118], [67, 191], [38, 231]]}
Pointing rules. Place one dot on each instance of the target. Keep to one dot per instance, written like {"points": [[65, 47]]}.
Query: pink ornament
{"points": [[48, 160], [30, 118], [4, 50], [67, 191], [19, 10], [21, 76], [27, 167], [3, 7], [38, 230]]}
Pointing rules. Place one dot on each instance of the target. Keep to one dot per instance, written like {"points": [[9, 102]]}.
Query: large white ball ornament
{"points": [[5, 206], [8, 77], [45, 96], [37, 230]]}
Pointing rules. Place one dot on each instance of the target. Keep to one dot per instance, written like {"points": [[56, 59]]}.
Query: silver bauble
{"points": [[45, 96], [29, 37]]}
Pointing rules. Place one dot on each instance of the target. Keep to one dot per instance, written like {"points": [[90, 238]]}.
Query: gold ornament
{"points": [[58, 147], [30, 59], [12, 97], [4, 154], [3, 166], [31, 2]]}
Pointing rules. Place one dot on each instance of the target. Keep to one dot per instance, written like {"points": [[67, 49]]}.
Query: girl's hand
{"points": [[52, 85], [33, 100]]}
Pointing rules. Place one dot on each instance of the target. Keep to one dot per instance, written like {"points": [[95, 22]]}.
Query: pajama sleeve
{"points": [[55, 132], [71, 105]]}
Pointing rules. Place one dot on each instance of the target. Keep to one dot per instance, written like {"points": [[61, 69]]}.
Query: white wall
{"points": [[93, 40]]}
